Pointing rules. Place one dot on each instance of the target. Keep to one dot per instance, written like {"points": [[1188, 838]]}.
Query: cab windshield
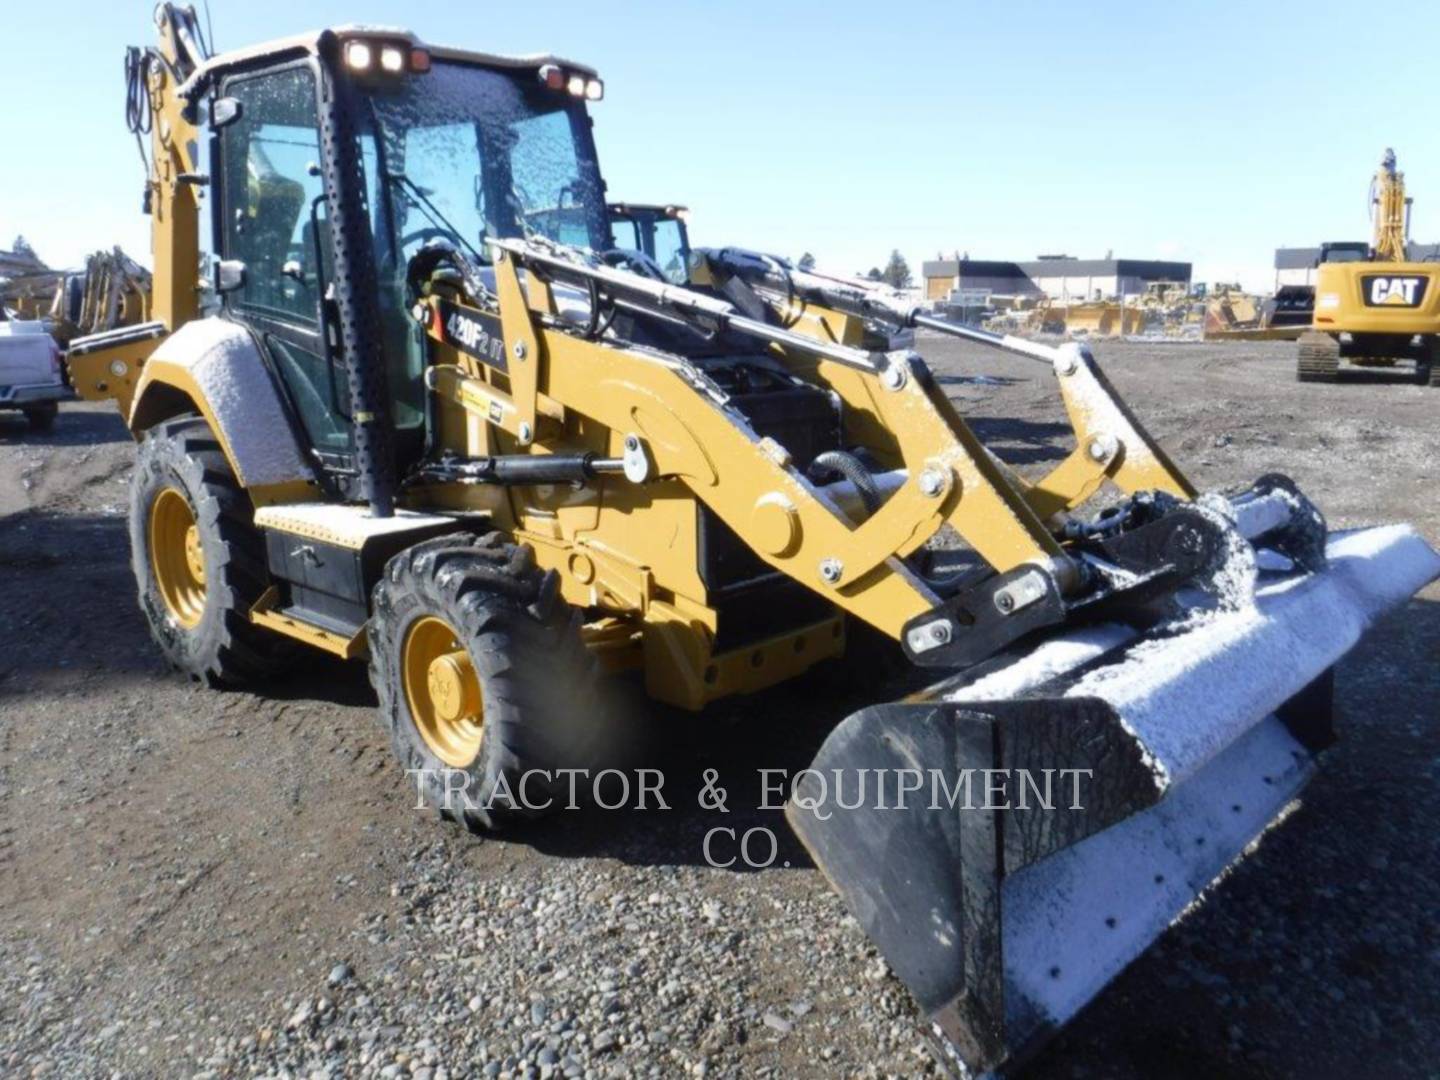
{"points": [[464, 152]]}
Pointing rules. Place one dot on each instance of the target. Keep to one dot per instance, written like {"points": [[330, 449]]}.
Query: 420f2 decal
{"points": [[474, 333]]}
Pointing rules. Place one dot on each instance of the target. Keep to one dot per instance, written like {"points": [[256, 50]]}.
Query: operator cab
{"points": [[1343, 251], [453, 147], [654, 234]]}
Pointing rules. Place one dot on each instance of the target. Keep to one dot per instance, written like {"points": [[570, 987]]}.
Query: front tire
{"points": [[482, 678], [198, 559]]}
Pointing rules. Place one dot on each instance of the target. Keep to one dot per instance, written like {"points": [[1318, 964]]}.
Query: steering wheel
{"points": [[435, 254], [420, 236], [638, 261]]}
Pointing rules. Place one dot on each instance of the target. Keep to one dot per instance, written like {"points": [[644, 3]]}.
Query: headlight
{"points": [[392, 59], [1327, 300], [594, 90], [576, 85], [358, 55]]}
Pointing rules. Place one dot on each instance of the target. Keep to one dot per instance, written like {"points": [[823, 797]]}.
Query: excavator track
{"points": [[1318, 358]]}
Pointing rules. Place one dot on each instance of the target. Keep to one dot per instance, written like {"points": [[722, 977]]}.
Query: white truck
{"points": [[31, 374]]}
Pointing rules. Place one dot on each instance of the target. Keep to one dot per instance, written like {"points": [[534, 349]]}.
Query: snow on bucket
{"points": [[1006, 910]]}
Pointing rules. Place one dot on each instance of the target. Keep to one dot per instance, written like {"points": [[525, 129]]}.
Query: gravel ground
{"points": [[233, 884]]}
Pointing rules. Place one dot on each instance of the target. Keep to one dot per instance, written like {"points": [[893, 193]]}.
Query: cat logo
{"points": [[1385, 291]]}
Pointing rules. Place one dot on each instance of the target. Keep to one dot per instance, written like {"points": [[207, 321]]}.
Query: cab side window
{"points": [[272, 219]]}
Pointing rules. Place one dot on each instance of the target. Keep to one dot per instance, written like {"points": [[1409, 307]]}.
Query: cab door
{"points": [[272, 218]]}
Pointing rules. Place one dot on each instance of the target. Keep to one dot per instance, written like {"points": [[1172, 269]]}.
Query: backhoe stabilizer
{"points": [[1013, 837]]}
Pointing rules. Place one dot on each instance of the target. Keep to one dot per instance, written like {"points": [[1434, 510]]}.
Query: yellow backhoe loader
{"points": [[439, 423], [1380, 311]]}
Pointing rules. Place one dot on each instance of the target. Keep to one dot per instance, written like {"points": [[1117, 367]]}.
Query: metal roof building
{"points": [[1059, 277]]}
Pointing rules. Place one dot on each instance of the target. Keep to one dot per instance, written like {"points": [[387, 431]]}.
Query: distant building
{"points": [[1296, 266], [1060, 277]]}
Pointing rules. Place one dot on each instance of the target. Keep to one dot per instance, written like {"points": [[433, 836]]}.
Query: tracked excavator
{"points": [[439, 424], [1379, 311]]}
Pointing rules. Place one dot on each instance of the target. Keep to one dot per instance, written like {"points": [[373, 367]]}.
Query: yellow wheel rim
{"points": [[177, 558], [442, 690]]}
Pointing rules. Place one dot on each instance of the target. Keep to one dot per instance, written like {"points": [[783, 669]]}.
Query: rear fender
{"points": [[214, 367]]}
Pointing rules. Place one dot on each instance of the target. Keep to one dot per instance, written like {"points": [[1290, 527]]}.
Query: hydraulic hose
{"points": [[848, 466]]}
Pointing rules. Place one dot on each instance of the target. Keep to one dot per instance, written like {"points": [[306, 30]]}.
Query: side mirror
{"points": [[229, 276], [293, 270], [224, 112]]}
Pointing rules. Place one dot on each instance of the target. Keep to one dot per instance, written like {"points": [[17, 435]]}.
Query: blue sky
{"points": [[1211, 133]]}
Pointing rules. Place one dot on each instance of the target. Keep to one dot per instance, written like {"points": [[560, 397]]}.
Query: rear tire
{"points": [[198, 559], [1318, 358], [42, 417], [522, 688]]}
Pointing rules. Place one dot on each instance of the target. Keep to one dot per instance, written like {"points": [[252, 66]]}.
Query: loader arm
{"points": [[750, 483], [1028, 578], [1110, 441]]}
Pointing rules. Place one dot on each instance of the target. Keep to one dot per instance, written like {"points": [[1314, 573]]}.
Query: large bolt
{"points": [[519, 350], [831, 570], [940, 633], [932, 483], [632, 443], [1004, 602], [893, 378], [525, 433]]}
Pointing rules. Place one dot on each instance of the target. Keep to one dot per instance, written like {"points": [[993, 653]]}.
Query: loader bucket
{"points": [[1005, 908]]}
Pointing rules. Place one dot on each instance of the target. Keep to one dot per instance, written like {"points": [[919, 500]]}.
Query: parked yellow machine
{"points": [[438, 422], [1380, 311], [658, 233], [1088, 318], [112, 291]]}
